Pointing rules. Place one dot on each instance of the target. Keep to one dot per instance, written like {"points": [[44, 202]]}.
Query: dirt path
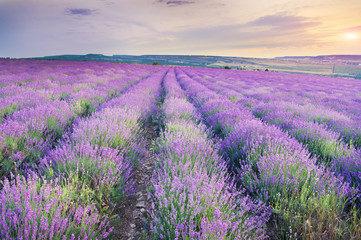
{"points": [[133, 216]]}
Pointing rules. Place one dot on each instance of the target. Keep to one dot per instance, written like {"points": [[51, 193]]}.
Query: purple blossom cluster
{"points": [[333, 102], [140, 99], [79, 85], [34, 208], [315, 128], [88, 161], [100, 152], [102, 148], [273, 166], [27, 133], [44, 106], [194, 197]]}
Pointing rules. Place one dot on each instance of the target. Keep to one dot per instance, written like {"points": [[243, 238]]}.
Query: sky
{"points": [[243, 28]]}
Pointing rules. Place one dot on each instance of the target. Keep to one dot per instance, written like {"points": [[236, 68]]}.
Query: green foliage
{"points": [[308, 214], [11, 146], [352, 138], [55, 131], [83, 186], [64, 96], [8, 110], [324, 149], [112, 93], [260, 113], [249, 105], [233, 99], [84, 107], [155, 63], [227, 67], [99, 99]]}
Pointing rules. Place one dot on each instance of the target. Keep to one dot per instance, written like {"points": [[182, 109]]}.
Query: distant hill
{"points": [[328, 65], [181, 60], [326, 57], [340, 57]]}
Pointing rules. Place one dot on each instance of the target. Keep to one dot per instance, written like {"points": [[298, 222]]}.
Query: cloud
{"points": [[356, 29], [80, 11], [270, 26], [283, 22], [268, 32], [176, 3], [108, 2]]}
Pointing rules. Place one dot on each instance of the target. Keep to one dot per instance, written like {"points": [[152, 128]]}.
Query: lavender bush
{"points": [[194, 198], [90, 166], [248, 142], [34, 208]]}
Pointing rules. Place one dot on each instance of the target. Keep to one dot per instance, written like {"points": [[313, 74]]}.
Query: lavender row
{"points": [[348, 129], [274, 167], [103, 149], [305, 124], [321, 141], [79, 89], [194, 197], [28, 133], [47, 74], [91, 170], [34, 208], [334, 103], [84, 91], [340, 94]]}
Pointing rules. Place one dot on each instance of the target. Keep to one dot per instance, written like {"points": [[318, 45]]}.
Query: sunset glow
{"points": [[200, 27], [351, 36]]}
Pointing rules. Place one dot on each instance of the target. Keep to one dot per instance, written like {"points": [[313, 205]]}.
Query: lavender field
{"points": [[95, 150]]}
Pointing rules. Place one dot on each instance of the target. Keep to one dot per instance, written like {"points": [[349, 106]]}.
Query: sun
{"points": [[351, 36]]}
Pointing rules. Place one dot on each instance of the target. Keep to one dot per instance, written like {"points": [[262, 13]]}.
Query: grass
{"points": [[8, 110], [84, 107]]}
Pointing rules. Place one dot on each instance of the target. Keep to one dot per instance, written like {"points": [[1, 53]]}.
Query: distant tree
{"points": [[266, 70], [155, 63], [226, 67]]}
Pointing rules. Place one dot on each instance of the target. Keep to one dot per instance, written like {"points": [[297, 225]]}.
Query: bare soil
{"points": [[133, 214]]}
